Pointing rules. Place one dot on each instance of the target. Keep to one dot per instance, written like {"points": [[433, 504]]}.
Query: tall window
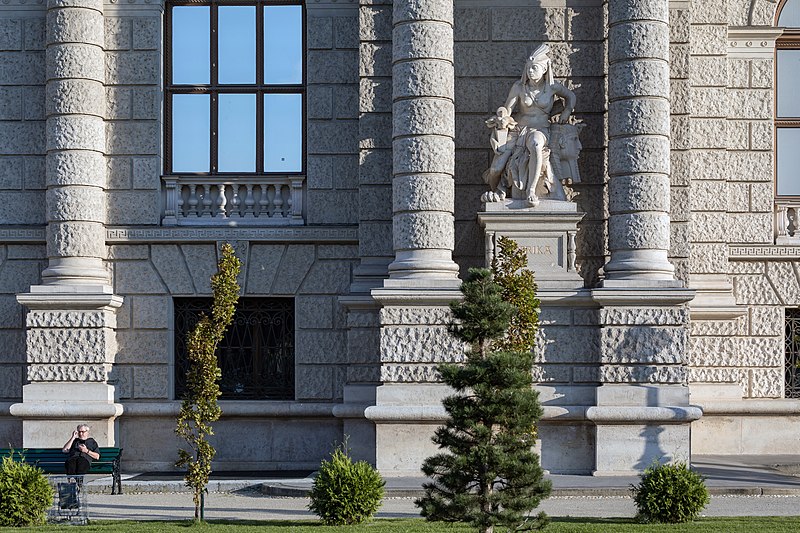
{"points": [[787, 105], [235, 87], [257, 354]]}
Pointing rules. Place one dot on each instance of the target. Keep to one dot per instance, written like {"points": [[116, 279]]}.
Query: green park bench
{"points": [[51, 461]]}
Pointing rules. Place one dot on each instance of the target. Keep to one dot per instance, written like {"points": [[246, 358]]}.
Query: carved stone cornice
{"points": [[752, 42], [132, 234]]}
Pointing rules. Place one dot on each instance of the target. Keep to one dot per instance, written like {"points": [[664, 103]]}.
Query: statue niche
{"points": [[534, 138]]}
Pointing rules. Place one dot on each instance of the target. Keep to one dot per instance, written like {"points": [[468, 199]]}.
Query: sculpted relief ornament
{"points": [[534, 140]]}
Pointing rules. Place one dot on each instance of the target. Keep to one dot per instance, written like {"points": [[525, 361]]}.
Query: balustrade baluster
{"points": [[193, 201], [263, 202], [179, 202], [278, 202], [249, 202], [206, 201], [222, 201], [236, 202]]}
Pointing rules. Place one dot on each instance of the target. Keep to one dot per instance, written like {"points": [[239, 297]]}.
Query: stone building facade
{"points": [[675, 338]]}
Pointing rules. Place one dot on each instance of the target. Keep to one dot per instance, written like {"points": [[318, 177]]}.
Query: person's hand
{"points": [[83, 448], [75, 434], [564, 118]]}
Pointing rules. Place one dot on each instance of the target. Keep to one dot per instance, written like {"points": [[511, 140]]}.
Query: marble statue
{"points": [[535, 144]]}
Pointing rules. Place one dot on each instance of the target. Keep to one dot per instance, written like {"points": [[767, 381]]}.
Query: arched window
{"points": [[787, 104]]}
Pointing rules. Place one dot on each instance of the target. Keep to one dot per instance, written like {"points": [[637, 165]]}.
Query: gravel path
{"points": [[248, 505]]}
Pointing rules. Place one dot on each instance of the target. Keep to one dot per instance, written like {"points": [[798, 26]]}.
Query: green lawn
{"points": [[558, 525]]}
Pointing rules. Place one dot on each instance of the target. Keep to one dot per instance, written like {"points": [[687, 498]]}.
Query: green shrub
{"points": [[25, 494], [345, 492], [670, 493]]}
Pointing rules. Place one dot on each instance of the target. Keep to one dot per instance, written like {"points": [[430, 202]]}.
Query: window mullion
{"points": [[259, 91], [214, 119]]}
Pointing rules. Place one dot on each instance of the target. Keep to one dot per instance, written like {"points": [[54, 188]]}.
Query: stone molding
{"points": [[777, 407], [271, 409], [23, 234], [764, 252], [642, 296], [637, 414], [752, 43], [64, 410], [125, 235]]}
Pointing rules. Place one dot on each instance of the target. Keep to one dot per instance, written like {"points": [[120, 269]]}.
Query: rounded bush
{"points": [[345, 492], [25, 494], [670, 493]]}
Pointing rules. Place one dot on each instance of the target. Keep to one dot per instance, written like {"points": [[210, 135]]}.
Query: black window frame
{"points": [[214, 89], [279, 386], [790, 40]]}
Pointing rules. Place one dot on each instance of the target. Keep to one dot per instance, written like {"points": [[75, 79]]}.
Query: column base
{"points": [[73, 271], [51, 411], [423, 268], [627, 450], [639, 424], [391, 425], [639, 265]]}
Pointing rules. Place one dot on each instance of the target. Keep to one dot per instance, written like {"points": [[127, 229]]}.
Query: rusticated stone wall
{"points": [[733, 198], [22, 115], [332, 136], [133, 59], [680, 139], [375, 136], [148, 276]]}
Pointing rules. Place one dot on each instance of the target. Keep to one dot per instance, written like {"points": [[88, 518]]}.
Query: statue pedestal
{"points": [[547, 232]]}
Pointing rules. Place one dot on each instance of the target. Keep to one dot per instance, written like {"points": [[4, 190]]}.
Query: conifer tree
{"points": [[200, 408], [489, 475]]}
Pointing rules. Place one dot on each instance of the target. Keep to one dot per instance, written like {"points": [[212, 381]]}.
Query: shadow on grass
{"points": [[584, 520]]}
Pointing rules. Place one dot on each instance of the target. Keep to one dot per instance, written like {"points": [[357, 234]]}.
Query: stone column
{"points": [[71, 341], [76, 167], [423, 141], [639, 143]]}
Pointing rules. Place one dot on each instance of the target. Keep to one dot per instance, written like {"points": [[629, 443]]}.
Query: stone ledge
{"points": [[65, 410], [157, 234], [266, 409], [774, 407], [638, 415]]}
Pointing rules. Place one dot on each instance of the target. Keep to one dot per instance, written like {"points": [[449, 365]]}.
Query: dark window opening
{"points": [[257, 354], [792, 353]]}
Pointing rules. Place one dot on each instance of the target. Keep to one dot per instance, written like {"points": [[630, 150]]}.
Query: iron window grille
{"points": [[215, 89], [792, 385], [257, 354]]}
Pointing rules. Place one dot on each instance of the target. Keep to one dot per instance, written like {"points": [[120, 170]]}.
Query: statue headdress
{"points": [[540, 55]]}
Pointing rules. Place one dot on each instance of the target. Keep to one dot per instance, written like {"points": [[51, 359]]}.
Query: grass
{"points": [[558, 525]]}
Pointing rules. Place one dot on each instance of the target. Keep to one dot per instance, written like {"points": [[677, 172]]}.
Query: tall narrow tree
{"points": [[489, 474], [200, 408]]}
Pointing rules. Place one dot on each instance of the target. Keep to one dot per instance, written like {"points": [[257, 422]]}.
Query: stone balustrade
{"points": [[200, 201], [786, 223]]}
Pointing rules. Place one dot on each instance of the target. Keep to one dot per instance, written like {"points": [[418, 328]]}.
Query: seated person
{"points": [[82, 450]]}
